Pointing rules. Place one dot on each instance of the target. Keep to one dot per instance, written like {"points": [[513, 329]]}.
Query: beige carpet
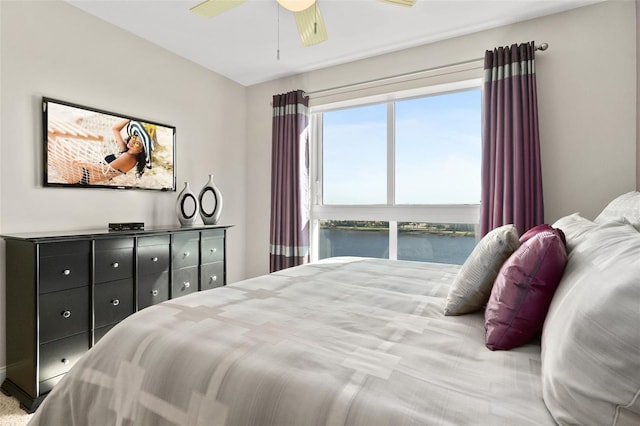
{"points": [[10, 412]]}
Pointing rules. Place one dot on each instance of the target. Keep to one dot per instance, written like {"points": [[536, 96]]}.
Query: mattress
{"points": [[345, 341]]}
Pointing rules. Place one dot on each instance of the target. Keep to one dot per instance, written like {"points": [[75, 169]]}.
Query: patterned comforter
{"points": [[346, 341]]}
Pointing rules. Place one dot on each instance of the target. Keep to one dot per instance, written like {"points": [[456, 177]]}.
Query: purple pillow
{"points": [[523, 290], [539, 228]]}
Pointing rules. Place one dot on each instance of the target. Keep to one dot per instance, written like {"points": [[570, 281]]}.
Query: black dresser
{"points": [[65, 291]]}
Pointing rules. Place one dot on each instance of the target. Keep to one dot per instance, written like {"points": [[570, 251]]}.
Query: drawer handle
{"points": [[154, 259], [64, 361], [115, 264], [154, 292], [115, 302], [213, 250], [66, 314], [186, 254], [186, 284], [213, 278], [66, 272]]}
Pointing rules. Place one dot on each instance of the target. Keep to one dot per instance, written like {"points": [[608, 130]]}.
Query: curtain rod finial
{"points": [[543, 46]]}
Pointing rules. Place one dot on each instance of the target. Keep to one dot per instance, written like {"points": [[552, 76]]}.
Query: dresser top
{"points": [[51, 236]]}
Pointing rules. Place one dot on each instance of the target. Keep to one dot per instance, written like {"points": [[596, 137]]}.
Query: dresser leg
{"points": [[27, 403]]}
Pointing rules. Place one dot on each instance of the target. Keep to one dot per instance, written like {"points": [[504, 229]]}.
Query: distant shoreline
{"points": [[441, 232]]}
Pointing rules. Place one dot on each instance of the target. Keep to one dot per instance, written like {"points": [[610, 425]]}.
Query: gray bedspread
{"points": [[346, 341]]}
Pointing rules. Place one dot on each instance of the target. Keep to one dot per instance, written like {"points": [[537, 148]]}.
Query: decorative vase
{"points": [[187, 206], [210, 217]]}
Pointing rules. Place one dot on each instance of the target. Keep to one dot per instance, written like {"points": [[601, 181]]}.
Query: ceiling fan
{"points": [[307, 13]]}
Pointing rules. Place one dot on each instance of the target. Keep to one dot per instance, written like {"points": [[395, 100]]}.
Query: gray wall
{"points": [[586, 99], [53, 49]]}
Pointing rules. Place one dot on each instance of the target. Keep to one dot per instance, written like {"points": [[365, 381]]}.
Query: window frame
{"points": [[389, 212]]}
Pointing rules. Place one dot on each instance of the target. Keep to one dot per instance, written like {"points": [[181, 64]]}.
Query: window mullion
{"points": [[316, 186], [391, 179], [393, 239], [391, 154]]}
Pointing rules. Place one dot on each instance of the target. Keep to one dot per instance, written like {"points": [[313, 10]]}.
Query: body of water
{"points": [[416, 246]]}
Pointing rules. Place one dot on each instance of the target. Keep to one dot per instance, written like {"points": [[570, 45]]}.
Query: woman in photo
{"points": [[135, 153]]}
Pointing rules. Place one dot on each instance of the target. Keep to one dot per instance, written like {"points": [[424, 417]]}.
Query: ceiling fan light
{"points": [[296, 5]]}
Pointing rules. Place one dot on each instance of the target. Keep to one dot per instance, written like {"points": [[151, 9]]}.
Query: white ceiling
{"points": [[242, 43]]}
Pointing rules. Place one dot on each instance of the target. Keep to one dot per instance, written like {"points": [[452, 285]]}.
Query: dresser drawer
{"points": [[153, 289], [64, 265], [113, 301], [114, 264], [213, 233], [212, 249], [47, 385], [58, 357], [113, 243], [184, 281], [64, 313], [99, 333], [68, 247], [185, 249], [153, 259], [211, 275], [156, 240]]}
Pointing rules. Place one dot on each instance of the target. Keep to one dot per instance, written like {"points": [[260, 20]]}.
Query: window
{"points": [[436, 242], [355, 155], [438, 149], [398, 179], [346, 237]]}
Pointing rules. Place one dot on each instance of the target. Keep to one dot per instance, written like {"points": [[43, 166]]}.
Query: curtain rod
{"points": [[542, 47]]}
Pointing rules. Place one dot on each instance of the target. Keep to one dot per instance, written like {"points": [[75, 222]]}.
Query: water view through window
{"points": [[424, 242], [436, 242], [394, 165], [354, 238]]}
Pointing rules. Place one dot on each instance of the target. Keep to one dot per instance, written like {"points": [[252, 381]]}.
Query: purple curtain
{"points": [[511, 171], [289, 181]]}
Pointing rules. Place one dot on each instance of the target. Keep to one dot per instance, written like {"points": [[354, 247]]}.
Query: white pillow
{"points": [[472, 286], [575, 227], [626, 206], [591, 341]]}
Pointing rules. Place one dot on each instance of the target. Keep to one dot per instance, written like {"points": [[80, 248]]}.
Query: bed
{"points": [[355, 341]]}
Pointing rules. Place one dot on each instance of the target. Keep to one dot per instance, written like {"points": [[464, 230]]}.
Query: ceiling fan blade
{"points": [[407, 3], [311, 25], [211, 8]]}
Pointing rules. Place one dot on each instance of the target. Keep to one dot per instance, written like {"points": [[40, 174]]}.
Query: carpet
{"points": [[10, 412]]}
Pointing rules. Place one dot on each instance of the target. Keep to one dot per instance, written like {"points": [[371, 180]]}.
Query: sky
{"points": [[438, 151]]}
